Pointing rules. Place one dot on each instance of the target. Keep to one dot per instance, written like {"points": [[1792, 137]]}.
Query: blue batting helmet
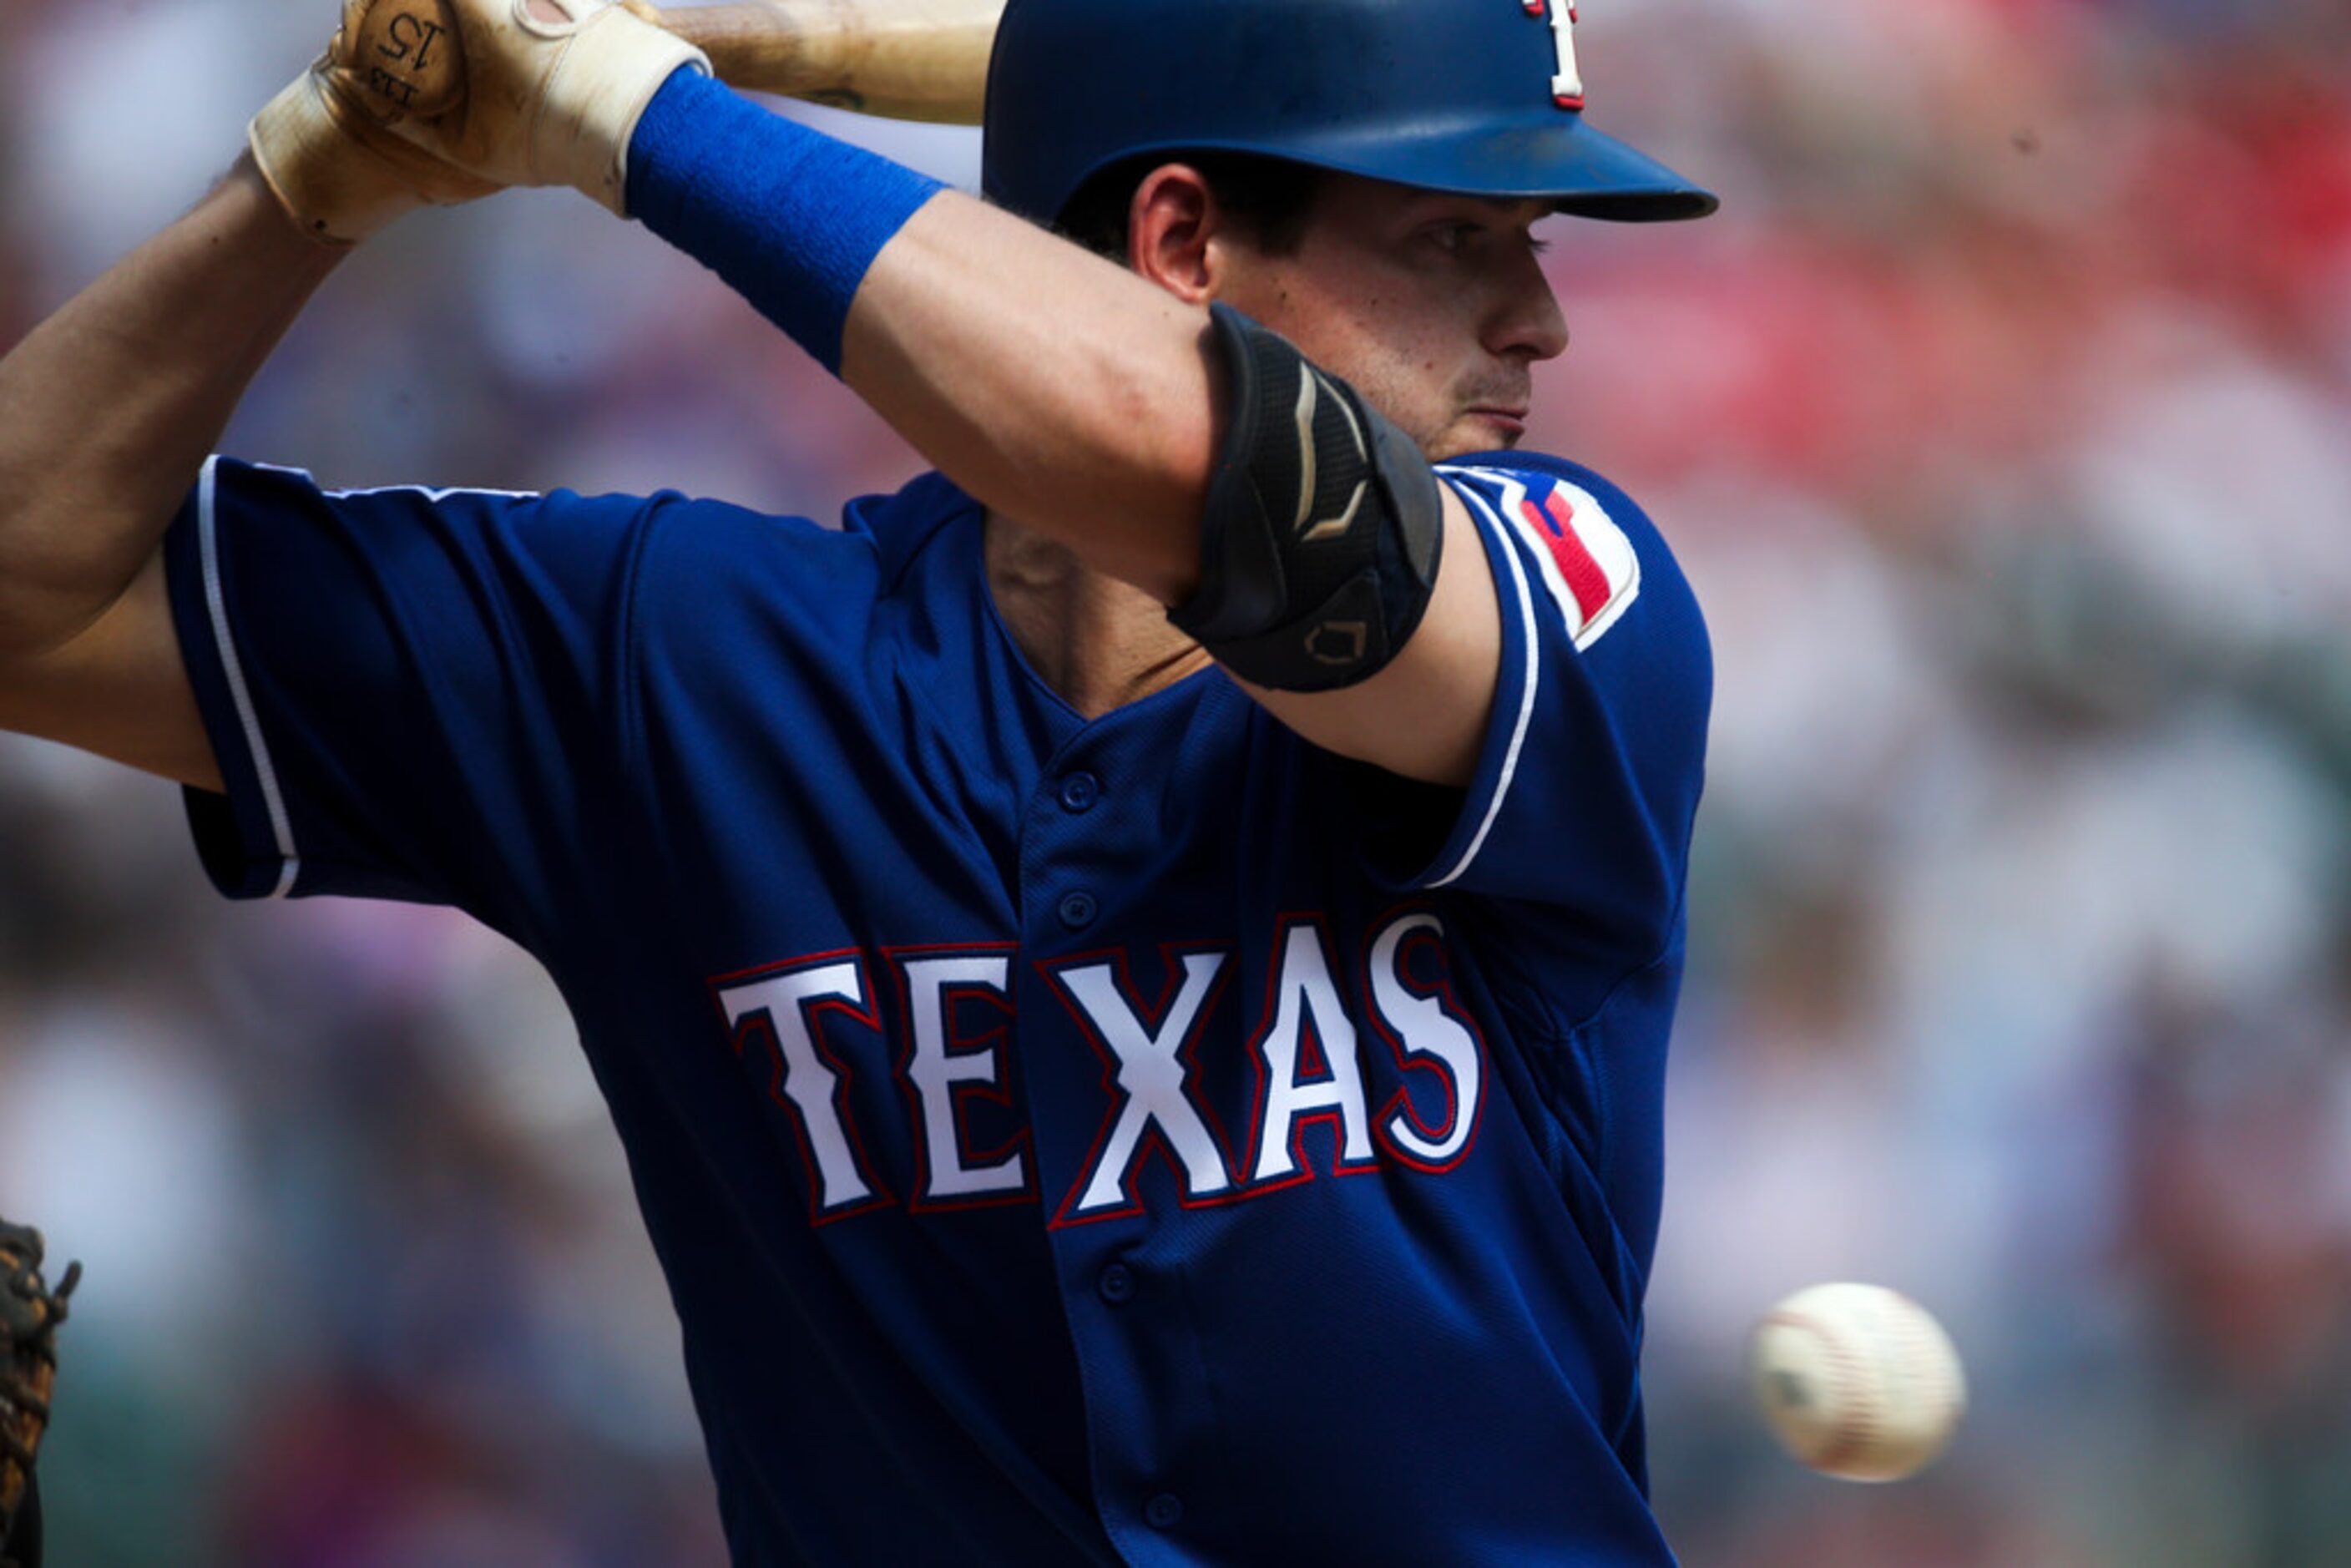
{"points": [[1482, 97]]}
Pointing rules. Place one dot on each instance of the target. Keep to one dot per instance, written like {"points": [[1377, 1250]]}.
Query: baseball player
{"points": [[1134, 973]]}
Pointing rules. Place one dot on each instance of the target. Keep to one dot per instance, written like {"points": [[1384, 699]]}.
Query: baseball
{"points": [[1857, 1381]]}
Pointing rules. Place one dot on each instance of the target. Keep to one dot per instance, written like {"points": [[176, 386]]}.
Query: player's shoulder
{"points": [[525, 518], [876, 538], [1511, 481], [1576, 539]]}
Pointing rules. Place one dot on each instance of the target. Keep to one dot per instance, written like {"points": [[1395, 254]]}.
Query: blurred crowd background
{"points": [[2003, 421]]}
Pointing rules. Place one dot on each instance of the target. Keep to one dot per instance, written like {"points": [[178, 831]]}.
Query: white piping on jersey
{"points": [[280, 827], [427, 491], [1534, 672]]}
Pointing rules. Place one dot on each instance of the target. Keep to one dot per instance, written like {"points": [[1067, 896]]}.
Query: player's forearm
{"points": [[1051, 384], [109, 408]]}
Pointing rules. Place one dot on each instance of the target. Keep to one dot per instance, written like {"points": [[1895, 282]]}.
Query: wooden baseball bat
{"points": [[907, 59]]}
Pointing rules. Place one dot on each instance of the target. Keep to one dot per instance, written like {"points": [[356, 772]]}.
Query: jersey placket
{"points": [[1105, 1012]]}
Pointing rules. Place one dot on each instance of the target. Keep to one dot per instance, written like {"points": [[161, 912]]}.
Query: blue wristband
{"points": [[790, 217]]}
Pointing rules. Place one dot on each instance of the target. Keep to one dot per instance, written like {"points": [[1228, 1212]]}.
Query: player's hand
{"points": [[325, 145], [462, 96]]}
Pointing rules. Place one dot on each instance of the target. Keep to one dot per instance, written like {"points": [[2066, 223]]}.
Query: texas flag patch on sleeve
{"points": [[1584, 560]]}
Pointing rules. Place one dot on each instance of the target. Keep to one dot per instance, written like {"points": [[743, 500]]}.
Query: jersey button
{"points": [[1079, 791], [1164, 1512], [1077, 910], [1116, 1284]]}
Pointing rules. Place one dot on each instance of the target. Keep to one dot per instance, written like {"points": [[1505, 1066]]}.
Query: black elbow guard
{"points": [[1318, 546]]}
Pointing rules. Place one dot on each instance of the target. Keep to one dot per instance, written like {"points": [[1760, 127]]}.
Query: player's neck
{"points": [[1100, 643]]}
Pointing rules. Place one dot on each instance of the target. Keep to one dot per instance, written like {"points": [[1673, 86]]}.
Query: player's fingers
{"points": [[326, 144]]}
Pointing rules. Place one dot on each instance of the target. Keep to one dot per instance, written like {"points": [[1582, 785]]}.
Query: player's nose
{"points": [[1527, 320]]}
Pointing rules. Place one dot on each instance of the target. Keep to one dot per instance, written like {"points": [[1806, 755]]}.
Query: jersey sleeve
{"points": [[411, 694], [1589, 778]]}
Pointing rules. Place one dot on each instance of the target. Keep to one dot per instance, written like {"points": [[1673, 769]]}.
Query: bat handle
{"points": [[906, 59]]}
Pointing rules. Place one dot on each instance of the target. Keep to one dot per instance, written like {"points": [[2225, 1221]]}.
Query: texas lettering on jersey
{"points": [[805, 1026]]}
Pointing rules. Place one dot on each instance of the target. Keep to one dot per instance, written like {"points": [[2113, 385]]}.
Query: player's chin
{"points": [[1479, 429]]}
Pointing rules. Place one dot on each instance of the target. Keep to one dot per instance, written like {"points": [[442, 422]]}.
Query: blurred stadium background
{"points": [[2004, 420]]}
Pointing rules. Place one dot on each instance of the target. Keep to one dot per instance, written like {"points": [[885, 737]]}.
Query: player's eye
{"points": [[1456, 237]]}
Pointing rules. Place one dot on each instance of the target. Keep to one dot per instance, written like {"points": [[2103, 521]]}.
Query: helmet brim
{"points": [[1582, 170]]}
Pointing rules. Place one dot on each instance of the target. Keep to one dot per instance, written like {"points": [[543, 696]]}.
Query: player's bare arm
{"points": [[107, 410]]}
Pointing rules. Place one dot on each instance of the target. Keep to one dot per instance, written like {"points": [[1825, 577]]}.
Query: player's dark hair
{"points": [[1272, 198]]}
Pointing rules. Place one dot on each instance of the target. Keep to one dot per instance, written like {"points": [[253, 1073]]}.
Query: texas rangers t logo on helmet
{"points": [[1567, 86]]}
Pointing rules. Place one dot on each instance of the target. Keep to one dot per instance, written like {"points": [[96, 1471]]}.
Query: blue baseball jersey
{"points": [[1149, 1139]]}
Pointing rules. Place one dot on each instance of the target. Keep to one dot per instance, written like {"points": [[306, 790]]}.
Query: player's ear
{"points": [[1170, 221]]}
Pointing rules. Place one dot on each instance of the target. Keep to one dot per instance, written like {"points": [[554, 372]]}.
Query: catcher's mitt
{"points": [[29, 1315]]}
